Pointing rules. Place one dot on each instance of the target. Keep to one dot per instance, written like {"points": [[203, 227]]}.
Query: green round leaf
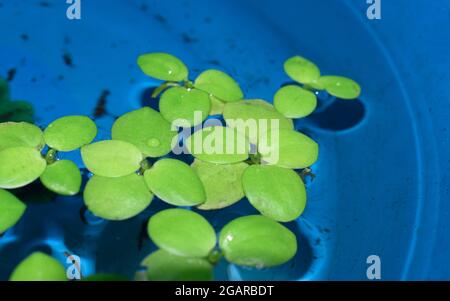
{"points": [[39, 267], [182, 232], [175, 182], [190, 105], [163, 66], [11, 210], [218, 144], [217, 106], [295, 102], [15, 134], [254, 117], [105, 277], [220, 85], [276, 192], [62, 177], [146, 129], [257, 241], [20, 166], [341, 87], [111, 158], [117, 198], [301, 70], [70, 133], [222, 183], [295, 150], [163, 266]]}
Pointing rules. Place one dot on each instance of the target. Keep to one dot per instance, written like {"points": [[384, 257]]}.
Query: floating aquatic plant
{"points": [[298, 101], [62, 177], [175, 182], [147, 130], [70, 133], [11, 210], [39, 267], [117, 198], [182, 232], [222, 183], [276, 192], [187, 244], [124, 180]]}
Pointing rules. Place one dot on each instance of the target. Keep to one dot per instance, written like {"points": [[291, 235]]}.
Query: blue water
{"points": [[382, 185]]}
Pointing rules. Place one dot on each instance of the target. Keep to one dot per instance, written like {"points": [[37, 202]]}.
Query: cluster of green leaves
{"points": [[187, 244], [298, 101], [13, 110], [187, 241], [124, 182], [22, 160]]}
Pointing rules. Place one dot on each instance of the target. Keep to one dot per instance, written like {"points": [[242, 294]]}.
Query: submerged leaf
{"points": [[19, 166], [182, 232], [222, 183], [117, 198], [11, 210], [16, 111], [62, 177], [163, 66], [147, 130], [163, 266], [276, 192], [257, 241], [111, 158], [4, 90], [70, 133], [175, 182], [39, 267], [220, 85]]}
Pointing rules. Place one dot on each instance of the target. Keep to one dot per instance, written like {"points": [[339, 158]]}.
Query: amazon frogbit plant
{"points": [[124, 182]]}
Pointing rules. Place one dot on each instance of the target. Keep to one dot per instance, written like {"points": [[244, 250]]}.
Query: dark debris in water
{"points": [[11, 74], [214, 63], [160, 18], [66, 40], [100, 109], [45, 4], [143, 7], [188, 38], [24, 37], [68, 61]]}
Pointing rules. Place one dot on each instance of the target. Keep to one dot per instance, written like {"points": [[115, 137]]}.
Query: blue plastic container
{"points": [[383, 177]]}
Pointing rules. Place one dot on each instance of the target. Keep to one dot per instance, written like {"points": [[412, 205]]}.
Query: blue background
{"points": [[383, 176]]}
